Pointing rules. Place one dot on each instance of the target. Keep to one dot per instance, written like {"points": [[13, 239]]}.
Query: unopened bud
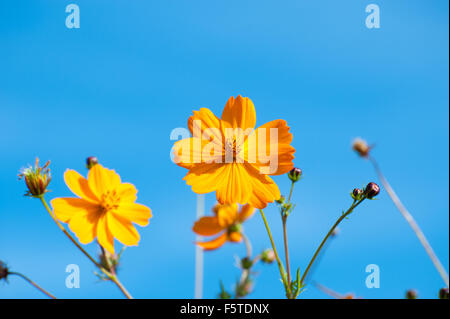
{"points": [[295, 174], [443, 293], [280, 200], [371, 190], [357, 193], [246, 263], [91, 161], [36, 178], [361, 147], [411, 294], [268, 256], [3, 270]]}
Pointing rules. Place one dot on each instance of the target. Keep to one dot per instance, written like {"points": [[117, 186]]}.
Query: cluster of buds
{"points": [[360, 146], [295, 174], [3, 271], [268, 256], [36, 178]]}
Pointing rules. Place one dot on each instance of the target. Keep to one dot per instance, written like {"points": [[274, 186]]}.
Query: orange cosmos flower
{"points": [[227, 221], [230, 157], [106, 209]]}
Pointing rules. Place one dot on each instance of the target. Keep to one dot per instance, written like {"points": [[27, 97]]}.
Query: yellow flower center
{"points": [[233, 146], [109, 201]]}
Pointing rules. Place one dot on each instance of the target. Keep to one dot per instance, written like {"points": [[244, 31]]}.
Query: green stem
{"points": [[348, 212], [32, 283], [286, 250], [112, 277], [280, 265]]}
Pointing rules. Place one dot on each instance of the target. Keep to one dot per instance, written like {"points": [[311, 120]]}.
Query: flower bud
{"points": [[36, 178], [361, 147], [411, 294], [268, 256], [371, 190], [246, 263], [243, 289], [280, 200], [3, 270], [335, 232], [295, 174], [91, 161], [356, 194], [443, 293]]}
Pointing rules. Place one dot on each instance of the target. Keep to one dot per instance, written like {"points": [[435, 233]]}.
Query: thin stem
{"points": [[248, 245], [112, 277], [348, 212], [286, 250], [280, 265], [32, 283], [412, 223]]}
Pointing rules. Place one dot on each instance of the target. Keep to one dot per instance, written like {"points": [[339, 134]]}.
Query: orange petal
{"points": [[203, 119], [104, 236], [235, 187], [192, 151], [213, 244], [246, 212], [239, 113], [79, 185], [264, 189], [135, 213], [206, 178], [101, 179], [65, 208], [227, 214], [261, 150], [235, 237], [84, 225], [207, 226], [123, 230]]}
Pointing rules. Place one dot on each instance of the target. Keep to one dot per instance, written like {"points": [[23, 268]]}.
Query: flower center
{"points": [[109, 201], [233, 148]]}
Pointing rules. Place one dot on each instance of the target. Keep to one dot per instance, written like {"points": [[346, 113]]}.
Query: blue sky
{"points": [[135, 70]]}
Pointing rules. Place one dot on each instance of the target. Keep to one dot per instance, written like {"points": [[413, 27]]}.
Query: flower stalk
{"points": [[31, 282]]}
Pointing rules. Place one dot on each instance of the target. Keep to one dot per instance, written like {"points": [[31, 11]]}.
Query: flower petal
{"points": [[262, 151], [206, 178], [235, 187], [264, 188], [101, 179], [65, 208], [239, 113], [123, 230], [79, 185], [84, 225], [127, 192], [104, 236], [227, 214], [246, 212], [135, 213], [204, 119], [235, 237], [207, 226], [213, 244]]}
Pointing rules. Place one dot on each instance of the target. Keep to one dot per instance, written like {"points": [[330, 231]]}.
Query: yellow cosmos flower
{"points": [[226, 222], [106, 209], [230, 157]]}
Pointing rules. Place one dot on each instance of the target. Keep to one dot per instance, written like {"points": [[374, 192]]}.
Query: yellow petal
{"points": [[246, 212], [239, 113], [104, 236], [207, 226], [84, 225], [227, 214], [79, 185], [213, 244], [101, 179], [65, 208], [122, 230], [135, 213], [203, 119], [127, 192]]}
